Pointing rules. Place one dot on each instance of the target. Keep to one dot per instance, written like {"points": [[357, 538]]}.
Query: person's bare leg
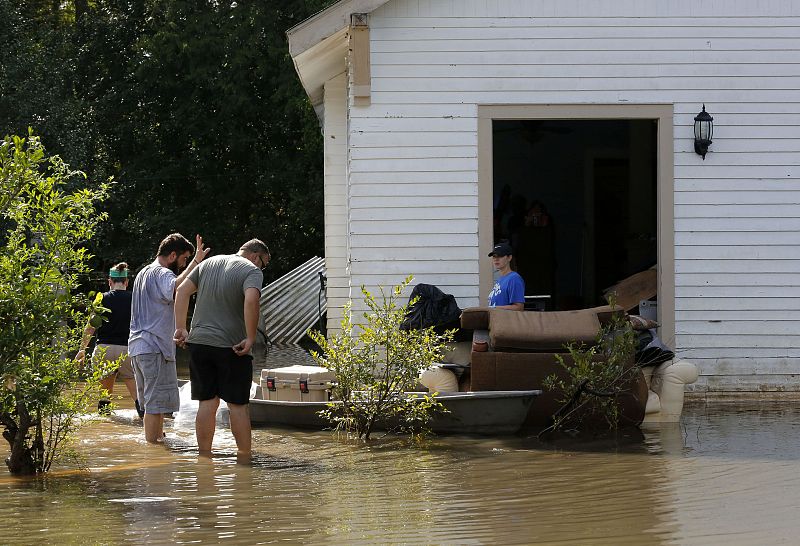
{"points": [[205, 423], [240, 426], [244, 458], [131, 385], [153, 427], [108, 382]]}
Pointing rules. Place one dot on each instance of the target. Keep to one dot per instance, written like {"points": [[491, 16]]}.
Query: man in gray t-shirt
{"points": [[223, 331]]}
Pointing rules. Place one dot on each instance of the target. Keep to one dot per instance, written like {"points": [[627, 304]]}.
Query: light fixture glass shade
{"points": [[703, 125], [703, 131]]}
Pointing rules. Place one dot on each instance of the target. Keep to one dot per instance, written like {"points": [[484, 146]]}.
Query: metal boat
{"points": [[481, 413]]}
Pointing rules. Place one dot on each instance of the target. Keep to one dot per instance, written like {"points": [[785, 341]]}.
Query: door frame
{"points": [[662, 113]]}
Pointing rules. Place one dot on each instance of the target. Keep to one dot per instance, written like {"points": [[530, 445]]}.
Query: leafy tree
{"points": [[195, 109], [376, 363], [40, 263]]}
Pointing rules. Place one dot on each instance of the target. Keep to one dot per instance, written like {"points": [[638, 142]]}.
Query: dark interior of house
{"points": [[577, 200]]}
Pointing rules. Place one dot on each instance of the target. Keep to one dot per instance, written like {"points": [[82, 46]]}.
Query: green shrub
{"points": [[376, 363], [41, 260], [596, 377]]}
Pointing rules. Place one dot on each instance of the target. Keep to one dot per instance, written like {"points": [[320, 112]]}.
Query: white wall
{"points": [[335, 188], [413, 151]]}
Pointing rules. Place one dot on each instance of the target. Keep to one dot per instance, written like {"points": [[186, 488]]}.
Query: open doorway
{"points": [[578, 201]]}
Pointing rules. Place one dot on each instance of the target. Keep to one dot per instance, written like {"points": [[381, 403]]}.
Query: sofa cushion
{"points": [[475, 318], [541, 330]]}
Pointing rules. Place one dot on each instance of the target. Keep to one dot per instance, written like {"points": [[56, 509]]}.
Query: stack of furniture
{"points": [[517, 351]]}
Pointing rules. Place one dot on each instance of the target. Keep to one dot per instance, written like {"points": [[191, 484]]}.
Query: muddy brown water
{"points": [[725, 475]]}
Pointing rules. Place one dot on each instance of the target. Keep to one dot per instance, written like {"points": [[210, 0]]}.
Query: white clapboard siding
{"points": [[734, 279], [335, 187], [750, 267], [578, 95], [704, 356], [749, 366], [594, 33], [567, 57], [425, 165], [455, 74], [388, 139], [402, 239], [716, 238], [405, 213], [737, 224], [725, 184], [501, 15], [738, 341], [391, 185], [416, 202], [734, 251], [710, 304], [416, 267], [411, 152], [784, 315], [465, 296], [776, 211], [428, 253], [770, 327], [737, 292], [779, 86], [412, 227], [469, 179], [587, 11], [746, 158], [410, 202]]}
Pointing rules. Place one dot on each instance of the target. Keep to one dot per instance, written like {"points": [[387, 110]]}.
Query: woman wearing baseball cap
{"points": [[508, 291]]}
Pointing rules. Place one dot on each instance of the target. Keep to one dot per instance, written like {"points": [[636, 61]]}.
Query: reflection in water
{"points": [[726, 475]]}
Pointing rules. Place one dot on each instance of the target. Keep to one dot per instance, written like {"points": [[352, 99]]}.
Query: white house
{"points": [[436, 113]]}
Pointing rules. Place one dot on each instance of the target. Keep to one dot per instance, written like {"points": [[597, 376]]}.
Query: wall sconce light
{"points": [[703, 129]]}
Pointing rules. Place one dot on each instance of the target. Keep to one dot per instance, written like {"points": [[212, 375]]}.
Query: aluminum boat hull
{"points": [[483, 413]]}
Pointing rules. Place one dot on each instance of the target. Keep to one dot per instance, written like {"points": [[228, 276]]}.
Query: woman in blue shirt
{"points": [[508, 291]]}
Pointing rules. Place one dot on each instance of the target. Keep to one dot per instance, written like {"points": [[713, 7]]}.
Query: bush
{"points": [[41, 261], [377, 366], [596, 377]]}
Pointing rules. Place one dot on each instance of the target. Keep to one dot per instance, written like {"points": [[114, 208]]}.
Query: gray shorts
{"points": [[156, 383]]}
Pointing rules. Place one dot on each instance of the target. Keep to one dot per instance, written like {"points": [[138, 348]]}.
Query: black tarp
{"points": [[434, 308]]}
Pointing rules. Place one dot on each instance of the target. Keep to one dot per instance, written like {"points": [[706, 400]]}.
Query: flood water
{"points": [[725, 475]]}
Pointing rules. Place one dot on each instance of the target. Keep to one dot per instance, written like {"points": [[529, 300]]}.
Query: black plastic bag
{"points": [[434, 308]]}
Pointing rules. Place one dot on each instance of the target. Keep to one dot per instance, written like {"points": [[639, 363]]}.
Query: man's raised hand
{"points": [[202, 251]]}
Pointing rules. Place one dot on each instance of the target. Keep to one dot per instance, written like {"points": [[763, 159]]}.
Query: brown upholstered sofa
{"points": [[521, 354]]}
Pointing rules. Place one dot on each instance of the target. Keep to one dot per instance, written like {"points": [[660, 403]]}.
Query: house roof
{"points": [[318, 45]]}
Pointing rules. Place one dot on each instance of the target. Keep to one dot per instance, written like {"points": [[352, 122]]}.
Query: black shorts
{"points": [[218, 371]]}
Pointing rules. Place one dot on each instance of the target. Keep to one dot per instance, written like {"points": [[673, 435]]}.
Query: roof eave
{"points": [[326, 23], [318, 45], [320, 63]]}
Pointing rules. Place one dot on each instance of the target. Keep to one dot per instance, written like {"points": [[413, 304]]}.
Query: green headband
{"points": [[116, 274]]}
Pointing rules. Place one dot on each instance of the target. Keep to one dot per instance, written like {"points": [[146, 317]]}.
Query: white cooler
{"points": [[296, 383]]}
